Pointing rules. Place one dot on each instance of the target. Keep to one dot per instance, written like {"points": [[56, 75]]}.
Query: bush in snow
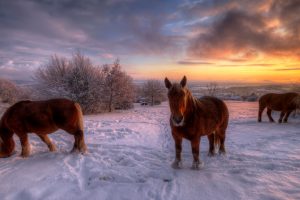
{"points": [[9, 92], [154, 91], [212, 89]]}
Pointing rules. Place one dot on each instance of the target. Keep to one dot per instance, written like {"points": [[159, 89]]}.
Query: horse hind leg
{"points": [[281, 116], [211, 139], [79, 144], [47, 141], [285, 119], [220, 140], [269, 113]]}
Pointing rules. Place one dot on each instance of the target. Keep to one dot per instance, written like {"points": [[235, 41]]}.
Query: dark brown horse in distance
{"points": [[285, 103], [192, 118], [42, 118]]}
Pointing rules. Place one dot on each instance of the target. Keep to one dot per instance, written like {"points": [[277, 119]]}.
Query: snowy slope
{"points": [[130, 153]]}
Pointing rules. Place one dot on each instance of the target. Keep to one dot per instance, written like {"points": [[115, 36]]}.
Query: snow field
{"points": [[130, 153]]}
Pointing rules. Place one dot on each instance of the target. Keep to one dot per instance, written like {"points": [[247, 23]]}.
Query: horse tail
{"points": [[80, 135], [80, 116], [296, 101]]}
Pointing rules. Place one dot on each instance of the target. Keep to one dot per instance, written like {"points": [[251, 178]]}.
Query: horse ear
{"points": [[183, 81], [168, 84]]}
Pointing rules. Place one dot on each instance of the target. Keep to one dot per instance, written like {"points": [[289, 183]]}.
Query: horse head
{"points": [[178, 97]]}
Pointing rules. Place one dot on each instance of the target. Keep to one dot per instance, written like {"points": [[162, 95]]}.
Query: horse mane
{"points": [[193, 104]]}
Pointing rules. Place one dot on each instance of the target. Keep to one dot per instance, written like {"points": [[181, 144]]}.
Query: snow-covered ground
{"points": [[130, 153]]}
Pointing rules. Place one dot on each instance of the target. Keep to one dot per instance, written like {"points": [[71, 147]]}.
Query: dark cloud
{"points": [[288, 13], [188, 62], [246, 65], [133, 30], [288, 69], [35, 29], [245, 34]]}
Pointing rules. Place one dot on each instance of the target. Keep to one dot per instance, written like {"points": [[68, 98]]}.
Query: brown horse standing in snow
{"points": [[285, 103], [192, 118], [42, 118]]}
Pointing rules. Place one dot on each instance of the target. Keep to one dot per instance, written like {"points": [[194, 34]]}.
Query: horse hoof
{"points": [[222, 153], [25, 152], [177, 164], [3, 155], [211, 154], [197, 165], [52, 148], [74, 150], [24, 155], [84, 150]]}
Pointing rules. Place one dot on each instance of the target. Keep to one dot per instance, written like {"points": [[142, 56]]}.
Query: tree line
{"points": [[97, 88]]}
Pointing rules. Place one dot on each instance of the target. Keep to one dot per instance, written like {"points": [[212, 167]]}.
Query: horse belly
{"points": [[42, 124]]}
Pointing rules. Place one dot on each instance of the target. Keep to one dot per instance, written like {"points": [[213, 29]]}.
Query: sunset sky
{"points": [[255, 41]]}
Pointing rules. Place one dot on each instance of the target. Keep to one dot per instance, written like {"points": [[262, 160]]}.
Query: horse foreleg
{"points": [[25, 145], [281, 116], [178, 148], [47, 141], [287, 116], [269, 112], [195, 149], [211, 139], [7, 145]]}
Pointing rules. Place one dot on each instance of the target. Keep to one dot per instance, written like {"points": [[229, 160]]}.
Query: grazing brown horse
{"points": [[285, 103], [192, 118], [42, 118]]}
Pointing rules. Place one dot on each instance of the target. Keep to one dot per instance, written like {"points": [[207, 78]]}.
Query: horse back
{"points": [[209, 114], [42, 117], [278, 102], [215, 108]]}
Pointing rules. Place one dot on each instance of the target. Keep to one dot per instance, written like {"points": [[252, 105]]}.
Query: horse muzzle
{"points": [[177, 121]]}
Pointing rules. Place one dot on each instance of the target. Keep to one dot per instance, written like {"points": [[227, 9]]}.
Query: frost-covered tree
{"points": [[212, 89], [97, 89], [52, 78], [154, 91], [9, 92], [76, 79], [118, 87]]}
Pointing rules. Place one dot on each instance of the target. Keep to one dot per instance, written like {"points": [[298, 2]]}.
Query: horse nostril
{"points": [[178, 119]]}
